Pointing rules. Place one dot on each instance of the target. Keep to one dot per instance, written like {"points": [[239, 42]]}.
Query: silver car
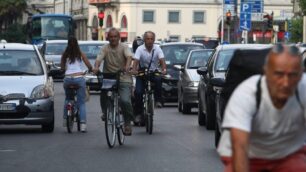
{"points": [[26, 90], [189, 79], [52, 51]]}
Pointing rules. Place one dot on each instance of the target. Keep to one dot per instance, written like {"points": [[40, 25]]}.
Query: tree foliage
{"points": [[10, 11], [303, 6], [297, 30], [15, 33]]}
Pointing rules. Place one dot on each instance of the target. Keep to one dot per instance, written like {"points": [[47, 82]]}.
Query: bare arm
{"points": [[135, 65], [86, 61], [163, 65], [128, 64], [63, 63], [240, 144]]}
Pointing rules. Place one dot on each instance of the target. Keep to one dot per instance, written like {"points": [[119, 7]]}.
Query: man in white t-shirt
{"points": [[149, 56], [271, 137]]}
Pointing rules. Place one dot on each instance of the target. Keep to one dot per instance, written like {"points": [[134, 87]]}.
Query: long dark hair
{"points": [[72, 51]]}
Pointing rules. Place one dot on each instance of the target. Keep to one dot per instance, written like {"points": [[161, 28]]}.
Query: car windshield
{"points": [[198, 59], [91, 50], [178, 53], [55, 49], [20, 62], [223, 59]]}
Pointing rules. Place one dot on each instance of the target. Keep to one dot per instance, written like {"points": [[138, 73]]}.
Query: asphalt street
{"points": [[178, 144]]}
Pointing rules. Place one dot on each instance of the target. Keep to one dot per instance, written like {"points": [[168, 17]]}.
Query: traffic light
{"points": [[101, 18], [289, 25], [228, 17]]}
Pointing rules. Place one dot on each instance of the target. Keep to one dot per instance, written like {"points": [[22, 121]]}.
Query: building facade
{"points": [[171, 19]]}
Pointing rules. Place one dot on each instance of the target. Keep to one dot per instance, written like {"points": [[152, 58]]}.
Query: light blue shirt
{"points": [[144, 56]]}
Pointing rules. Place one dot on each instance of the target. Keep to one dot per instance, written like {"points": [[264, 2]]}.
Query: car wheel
{"points": [[48, 128], [186, 108], [179, 105], [217, 135], [201, 115], [210, 117]]}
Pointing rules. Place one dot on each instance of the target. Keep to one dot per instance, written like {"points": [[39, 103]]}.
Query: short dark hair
{"points": [[113, 30], [147, 32]]}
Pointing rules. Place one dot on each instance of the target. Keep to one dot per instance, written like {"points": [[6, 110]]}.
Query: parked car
{"points": [[175, 54], [52, 51], [189, 79], [91, 50], [243, 64], [216, 68], [26, 90]]}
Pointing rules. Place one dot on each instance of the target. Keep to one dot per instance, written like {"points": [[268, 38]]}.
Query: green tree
{"points": [[303, 6], [15, 33], [297, 30], [10, 11]]}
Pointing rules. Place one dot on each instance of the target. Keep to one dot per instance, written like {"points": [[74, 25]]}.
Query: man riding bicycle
{"points": [[149, 56], [117, 57], [264, 122]]}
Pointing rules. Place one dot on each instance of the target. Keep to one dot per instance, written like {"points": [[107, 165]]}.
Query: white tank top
{"points": [[72, 68]]}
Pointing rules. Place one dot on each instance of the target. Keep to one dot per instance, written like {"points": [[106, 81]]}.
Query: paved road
{"points": [[178, 144]]}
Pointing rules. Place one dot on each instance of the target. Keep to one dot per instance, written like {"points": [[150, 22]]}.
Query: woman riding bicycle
{"points": [[71, 63]]}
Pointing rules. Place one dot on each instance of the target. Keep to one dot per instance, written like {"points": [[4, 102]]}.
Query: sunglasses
{"points": [[293, 50]]}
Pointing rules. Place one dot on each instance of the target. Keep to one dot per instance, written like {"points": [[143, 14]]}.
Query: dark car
{"points": [[175, 54], [216, 68], [189, 79], [244, 63]]}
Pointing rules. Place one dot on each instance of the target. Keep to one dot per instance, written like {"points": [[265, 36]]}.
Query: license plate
{"points": [[7, 107]]}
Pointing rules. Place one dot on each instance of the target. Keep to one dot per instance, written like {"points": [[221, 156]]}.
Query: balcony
{"points": [[104, 3]]}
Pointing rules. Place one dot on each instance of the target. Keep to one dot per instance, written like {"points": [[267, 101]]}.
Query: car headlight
{"points": [[40, 92], [193, 84], [49, 62]]}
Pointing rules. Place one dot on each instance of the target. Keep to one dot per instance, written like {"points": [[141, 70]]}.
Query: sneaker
{"points": [[158, 105], [127, 129], [103, 117], [83, 127]]}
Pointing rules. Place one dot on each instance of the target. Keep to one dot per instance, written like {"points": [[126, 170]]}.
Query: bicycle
{"points": [[148, 98], [114, 122], [72, 109]]}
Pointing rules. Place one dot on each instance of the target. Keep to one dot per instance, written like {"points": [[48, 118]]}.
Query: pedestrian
{"points": [[149, 56], [264, 124], [71, 63], [136, 43], [117, 56]]}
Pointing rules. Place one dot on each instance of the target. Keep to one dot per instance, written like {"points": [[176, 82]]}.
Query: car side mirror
{"points": [[202, 70], [219, 82]]}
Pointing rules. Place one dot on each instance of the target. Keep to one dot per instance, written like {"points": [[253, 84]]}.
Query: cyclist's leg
{"points": [[66, 81], [125, 102], [103, 101], [138, 96], [158, 88], [81, 95]]}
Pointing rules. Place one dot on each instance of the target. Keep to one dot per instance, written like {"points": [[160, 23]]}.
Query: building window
{"points": [[124, 22], [174, 38], [109, 21], [174, 17], [148, 16], [198, 17]]}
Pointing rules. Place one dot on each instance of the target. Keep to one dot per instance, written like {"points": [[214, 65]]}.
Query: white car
{"points": [[26, 90]]}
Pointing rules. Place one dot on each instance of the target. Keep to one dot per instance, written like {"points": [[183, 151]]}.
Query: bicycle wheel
{"points": [[110, 125], [69, 121], [121, 136], [150, 113]]}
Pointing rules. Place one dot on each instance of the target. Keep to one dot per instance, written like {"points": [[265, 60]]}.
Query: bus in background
{"points": [[43, 27]]}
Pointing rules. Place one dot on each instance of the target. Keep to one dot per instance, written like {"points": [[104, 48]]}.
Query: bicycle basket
{"points": [[109, 81]]}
